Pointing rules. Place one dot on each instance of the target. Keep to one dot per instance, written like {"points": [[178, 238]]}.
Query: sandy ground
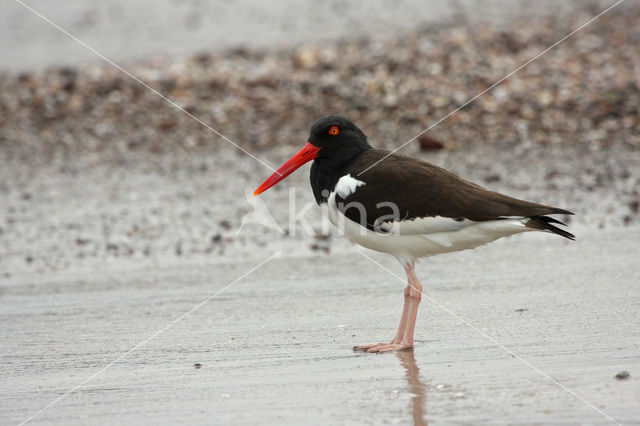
{"points": [[275, 347], [98, 258], [145, 211]]}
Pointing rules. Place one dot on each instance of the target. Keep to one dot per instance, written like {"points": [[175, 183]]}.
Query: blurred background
{"points": [[96, 167], [119, 212]]}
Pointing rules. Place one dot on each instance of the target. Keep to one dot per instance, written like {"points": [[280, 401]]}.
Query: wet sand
{"points": [[275, 347], [97, 258]]}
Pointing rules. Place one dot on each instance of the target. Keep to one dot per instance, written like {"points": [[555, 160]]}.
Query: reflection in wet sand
{"points": [[416, 387]]}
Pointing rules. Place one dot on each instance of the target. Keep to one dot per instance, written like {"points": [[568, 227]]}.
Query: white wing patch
{"points": [[347, 186], [425, 225]]}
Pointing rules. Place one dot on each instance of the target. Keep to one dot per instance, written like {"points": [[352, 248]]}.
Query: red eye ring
{"points": [[334, 130]]}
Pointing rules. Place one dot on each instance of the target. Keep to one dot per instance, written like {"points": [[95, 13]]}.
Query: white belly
{"points": [[425, 237]]}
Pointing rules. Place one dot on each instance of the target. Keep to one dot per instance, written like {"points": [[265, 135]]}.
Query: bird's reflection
{"points": [[416, 387]]}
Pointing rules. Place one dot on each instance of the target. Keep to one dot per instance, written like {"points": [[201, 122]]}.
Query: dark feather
{"points": [[544, 223], [420, 189]]}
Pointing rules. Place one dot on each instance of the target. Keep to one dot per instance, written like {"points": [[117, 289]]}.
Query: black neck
{"points": [[325, 173]]}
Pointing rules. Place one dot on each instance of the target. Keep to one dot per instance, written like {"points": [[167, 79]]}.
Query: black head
{"points": [[333, 142], [338, 138]]}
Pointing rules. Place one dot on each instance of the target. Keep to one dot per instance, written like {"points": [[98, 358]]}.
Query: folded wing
{"points": [[408, 196]]}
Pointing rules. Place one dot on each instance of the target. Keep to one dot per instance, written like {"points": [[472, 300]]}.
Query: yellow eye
{"points": [[334, 130]]}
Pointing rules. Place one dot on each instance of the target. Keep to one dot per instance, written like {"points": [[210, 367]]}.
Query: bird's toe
{"points": [[369, 346], [389, 347]]}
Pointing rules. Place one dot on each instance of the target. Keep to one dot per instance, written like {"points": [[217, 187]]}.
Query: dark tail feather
{"points": [[555, 210], [545, 223], [548, 219]]}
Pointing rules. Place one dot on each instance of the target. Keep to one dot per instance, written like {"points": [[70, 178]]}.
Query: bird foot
{"points": [[382, 347], [365, 348]]}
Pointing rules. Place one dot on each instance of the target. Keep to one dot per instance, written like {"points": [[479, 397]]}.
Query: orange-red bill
{"points": [[306, 154]]}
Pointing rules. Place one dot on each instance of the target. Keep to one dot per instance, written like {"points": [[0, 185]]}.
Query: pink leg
{"points": [[406, 328], [415, 295], [403, 319]]}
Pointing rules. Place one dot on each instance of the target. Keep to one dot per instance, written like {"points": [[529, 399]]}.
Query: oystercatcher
{"points": [[405, 207]]}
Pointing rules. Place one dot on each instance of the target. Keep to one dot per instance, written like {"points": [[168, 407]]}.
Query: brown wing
{"points": [[420, 189]]}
